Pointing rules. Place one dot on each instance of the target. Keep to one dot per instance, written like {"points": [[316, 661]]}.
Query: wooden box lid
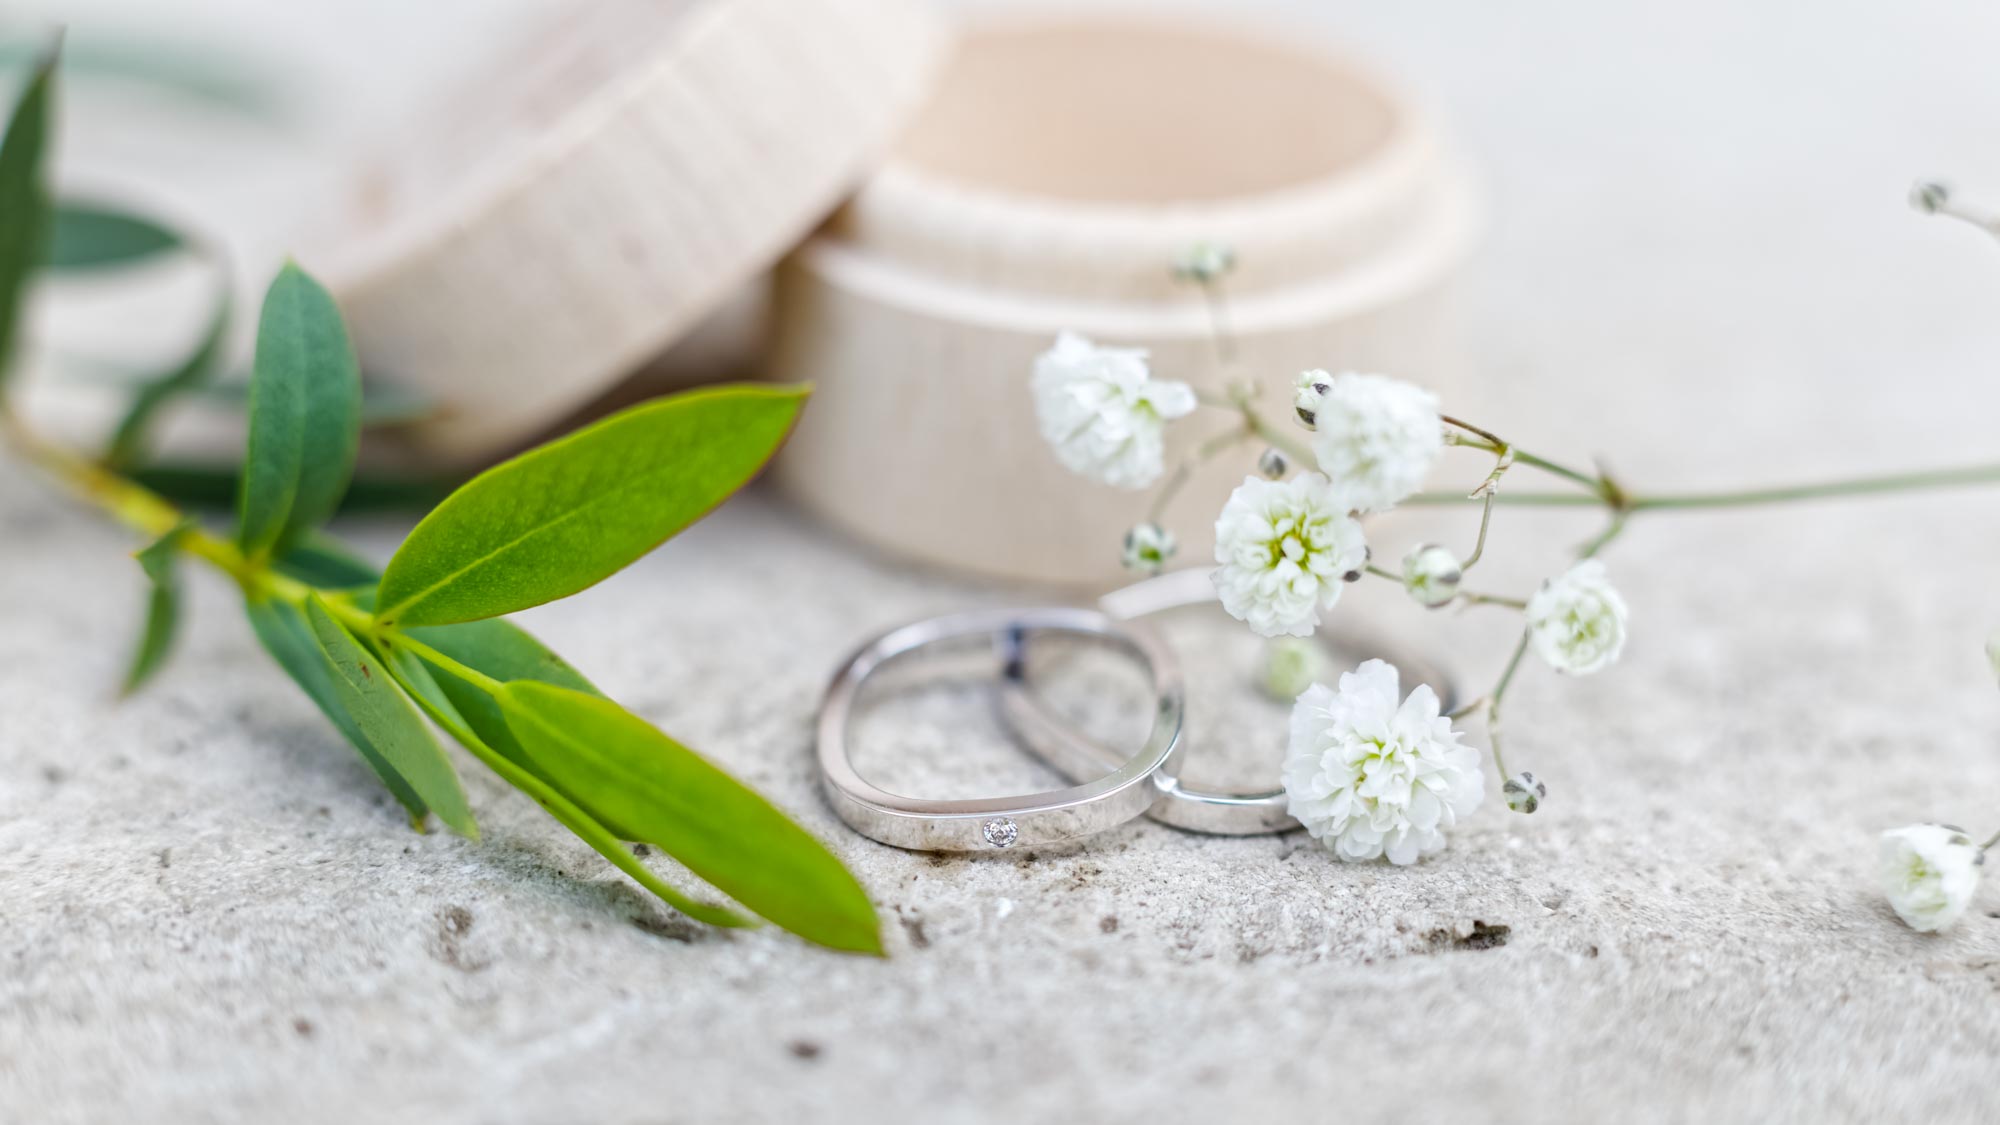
{"points": [[582, 205]]}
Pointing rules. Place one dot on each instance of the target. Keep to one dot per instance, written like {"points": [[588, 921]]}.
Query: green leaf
{"points": [[305, 416], [569, 514], [24, 201], [163, 608], [129, 441], [285, 634], [610, 759], [369, 695], [216, 486], [414, 675], [89, 236], [322, 562], [500, 650]]}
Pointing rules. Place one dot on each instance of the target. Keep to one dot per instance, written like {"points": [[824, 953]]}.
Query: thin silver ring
{"points": [[1136, 782], [1075, 754]]}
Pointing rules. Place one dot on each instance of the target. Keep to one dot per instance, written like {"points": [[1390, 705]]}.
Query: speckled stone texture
{"points": [[1700, 266]]}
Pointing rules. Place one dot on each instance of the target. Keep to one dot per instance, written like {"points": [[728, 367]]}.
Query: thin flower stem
{"points": [[1610, 532], [1203, 453], [1485, 521], [1493, 599], [1966, 477], [1282, 442], [1493, 702], [1498, 446], [1990, 841]]}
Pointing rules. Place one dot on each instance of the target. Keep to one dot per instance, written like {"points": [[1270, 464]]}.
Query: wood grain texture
{"points": [[657, 157], [919, 310]]}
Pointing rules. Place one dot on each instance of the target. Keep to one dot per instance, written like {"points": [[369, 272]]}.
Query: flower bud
{"points": [[1291, 665], [1273, 465], [1929, 196], [1203, 263], [1311, 387], [1148, 546], [1431, 574], [1523, 792]]}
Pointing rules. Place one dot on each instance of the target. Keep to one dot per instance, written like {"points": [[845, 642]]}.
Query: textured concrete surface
{"points": [[1701, 267]]}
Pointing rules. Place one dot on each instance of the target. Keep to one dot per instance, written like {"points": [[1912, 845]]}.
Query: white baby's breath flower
{"points": [[1286, 549], [1577, 620], [1148, 546], [1431, 574], [1204, 263], [1372, 774], [1929, 873], [1377, 437], [1307, 390], [1104, 412]]}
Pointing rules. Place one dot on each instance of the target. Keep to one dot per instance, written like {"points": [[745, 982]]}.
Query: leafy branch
{"points": [[426, 639]]}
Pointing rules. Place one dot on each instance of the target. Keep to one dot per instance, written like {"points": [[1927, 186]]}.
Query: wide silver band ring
{"points": [[1075, 754], [1136, 782]]}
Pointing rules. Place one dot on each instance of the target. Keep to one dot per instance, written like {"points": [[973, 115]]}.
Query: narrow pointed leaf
{"points": [[368, 693], [89, 236], [610, 759], [163, 608], [288, 638], [569, 514], [305, 416], [415, 676], [24, 201], [129, 441]]}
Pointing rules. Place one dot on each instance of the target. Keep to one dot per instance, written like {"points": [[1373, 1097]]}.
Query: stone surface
{"points": [[1701, 266]]}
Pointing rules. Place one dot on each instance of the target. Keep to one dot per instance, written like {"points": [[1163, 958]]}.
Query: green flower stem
{"points": [[146, 513], [1276, 438], [1485, 521], [1493, 702], [1202, 455], [1964, 477]]}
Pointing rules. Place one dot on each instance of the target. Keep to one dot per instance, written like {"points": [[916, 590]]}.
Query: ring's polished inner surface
{"points": [[1136, 781], [1076, 754]]}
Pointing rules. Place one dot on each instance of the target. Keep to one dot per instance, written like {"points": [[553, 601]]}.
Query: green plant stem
{"points": [[1470, 598], [143, 511], [1964, 477], [1494, 697], [1990, 841], [1202, 455], [1485, 521]]}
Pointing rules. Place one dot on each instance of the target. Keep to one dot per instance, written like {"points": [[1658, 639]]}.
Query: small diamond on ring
{"points": [[1000, 832]]}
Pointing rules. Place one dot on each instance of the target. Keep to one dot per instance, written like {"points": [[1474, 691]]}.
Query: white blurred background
{"points": [[1706, 200]]}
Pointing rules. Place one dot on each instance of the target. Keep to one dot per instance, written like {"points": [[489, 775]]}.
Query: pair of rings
{"points": [[1112, 785]]}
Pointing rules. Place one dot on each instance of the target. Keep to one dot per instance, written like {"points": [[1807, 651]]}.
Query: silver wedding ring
{"points": [[1075, 754], [1114, 785], [1135, 782]]}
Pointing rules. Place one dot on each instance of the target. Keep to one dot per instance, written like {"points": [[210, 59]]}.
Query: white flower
{"points": [[1577, 620], [1431, 574], [1148, 546], [1286, 549], [1306, 393], [1204, 262], [1371, 774], [1103, 411], [1929, 872], [1377, 437]]}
